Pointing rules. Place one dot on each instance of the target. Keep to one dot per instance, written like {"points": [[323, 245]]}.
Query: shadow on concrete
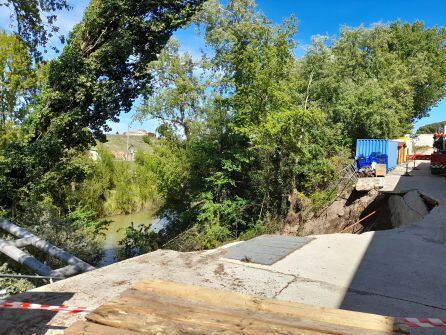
{"points": [[403, 271], [21, 322]]}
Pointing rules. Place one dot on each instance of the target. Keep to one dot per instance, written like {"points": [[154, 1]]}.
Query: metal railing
{"points": [[346, 177], [13, 249]]}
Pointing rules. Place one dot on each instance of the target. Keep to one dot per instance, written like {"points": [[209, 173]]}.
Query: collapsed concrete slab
{"points": [[402, 214], [407, 209], [415, 202]]}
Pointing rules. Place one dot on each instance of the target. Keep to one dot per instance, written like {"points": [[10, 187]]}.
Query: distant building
{"points": [[139, 133], [424, 140]]}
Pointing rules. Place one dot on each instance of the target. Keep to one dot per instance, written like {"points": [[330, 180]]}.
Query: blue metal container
{"points": [[381, 149]]}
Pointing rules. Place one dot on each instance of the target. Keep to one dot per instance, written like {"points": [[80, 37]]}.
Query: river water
{"points": [[116, 231]]}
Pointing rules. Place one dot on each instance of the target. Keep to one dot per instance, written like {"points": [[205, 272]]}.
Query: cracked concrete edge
{"points": [[334, 296], [294, 278]]}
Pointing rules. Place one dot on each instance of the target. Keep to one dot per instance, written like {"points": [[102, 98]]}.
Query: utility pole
{"points": [[127, 147]]}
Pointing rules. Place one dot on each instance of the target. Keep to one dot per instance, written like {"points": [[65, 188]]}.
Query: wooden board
{"points": [[167, 308], [380, 170]]}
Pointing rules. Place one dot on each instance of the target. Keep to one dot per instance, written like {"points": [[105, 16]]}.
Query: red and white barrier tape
{"points": [[424, 322], [56, 309], [410, 322]]}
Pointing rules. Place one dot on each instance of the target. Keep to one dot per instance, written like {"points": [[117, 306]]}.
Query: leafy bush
{"points": [[85, 219], [114, 187], [13, 285], [138, 240]]}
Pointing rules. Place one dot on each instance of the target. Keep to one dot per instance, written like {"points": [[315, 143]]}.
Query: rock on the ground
{"points": [[407, 210], [414, 200], [368, 184]]}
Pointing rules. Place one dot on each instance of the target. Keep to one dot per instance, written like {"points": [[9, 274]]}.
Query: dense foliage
{"points": [[251, 135], [248, 143], [113, 187], [375, 82], [98, 75], [431, 128], [18, 81], [53, 112]]}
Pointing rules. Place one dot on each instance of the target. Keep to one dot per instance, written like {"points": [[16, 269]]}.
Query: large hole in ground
{"points": [[360, 211], [392, 210]]}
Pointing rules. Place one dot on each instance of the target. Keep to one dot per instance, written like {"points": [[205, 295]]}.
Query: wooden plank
{"points": [[290, 309], [89, 328], [184, 321], [158, 314], [167, 308]]}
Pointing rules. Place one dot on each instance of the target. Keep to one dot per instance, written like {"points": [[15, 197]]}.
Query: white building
{"points": [[424, 140]]}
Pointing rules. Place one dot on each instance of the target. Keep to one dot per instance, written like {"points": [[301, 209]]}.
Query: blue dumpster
{"points": [[379, 151]]}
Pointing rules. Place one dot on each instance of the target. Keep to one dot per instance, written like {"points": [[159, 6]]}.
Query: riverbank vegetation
{"points": [[250, 136], [54, 111], [114, 186]]}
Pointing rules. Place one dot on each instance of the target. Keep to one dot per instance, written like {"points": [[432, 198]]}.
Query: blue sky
{"points": [[315, 17]]}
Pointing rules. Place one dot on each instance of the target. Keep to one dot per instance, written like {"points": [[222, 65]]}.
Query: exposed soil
{"points": [[344, 211], [352, 212]]}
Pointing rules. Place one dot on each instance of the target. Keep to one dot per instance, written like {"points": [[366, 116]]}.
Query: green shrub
{"points": [[137, 241]]}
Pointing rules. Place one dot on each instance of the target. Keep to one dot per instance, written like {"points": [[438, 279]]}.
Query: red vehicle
{"points": [[438, 158]]}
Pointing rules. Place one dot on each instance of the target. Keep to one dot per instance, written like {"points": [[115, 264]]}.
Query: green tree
{"points": [[431, 127], [272, 143], [255, 143], [102, 69], [177, 99], [93, 191], [35, 20], [98, 75], [376, 82], [17, 79]]}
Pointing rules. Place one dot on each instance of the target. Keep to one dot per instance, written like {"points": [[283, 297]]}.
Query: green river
{"points": [[116, 231]]}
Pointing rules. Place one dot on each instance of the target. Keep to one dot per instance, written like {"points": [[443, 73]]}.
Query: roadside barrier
{"points": [[56, 309], [7, 304], [424, 322], [419, 157]]}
